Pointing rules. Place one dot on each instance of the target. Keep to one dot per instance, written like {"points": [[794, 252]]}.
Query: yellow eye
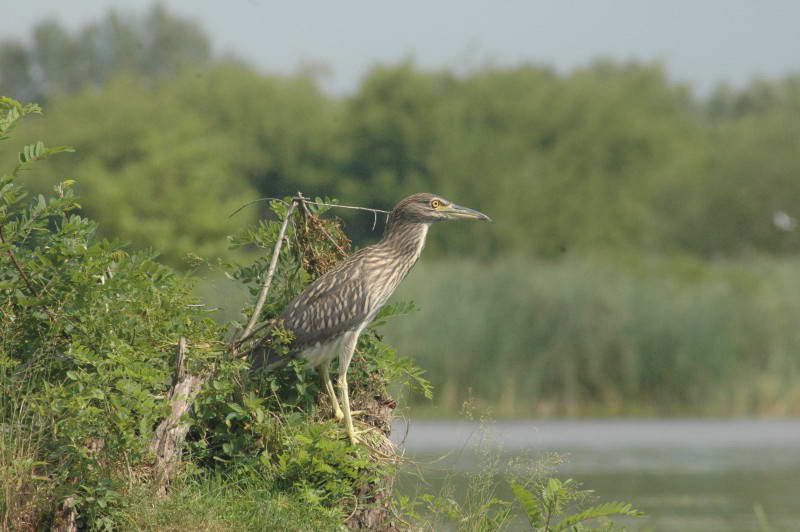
{"points": [[436, 204]]}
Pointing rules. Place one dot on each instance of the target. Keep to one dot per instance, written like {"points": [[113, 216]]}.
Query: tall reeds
{"points": [[608, 336]]}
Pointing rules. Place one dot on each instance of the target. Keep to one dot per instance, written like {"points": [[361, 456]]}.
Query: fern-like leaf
{"points": [[37, 152], [528, 502], [595, 512]]}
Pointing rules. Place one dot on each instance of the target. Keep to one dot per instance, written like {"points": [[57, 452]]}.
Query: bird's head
{"points": [[428, 208]]}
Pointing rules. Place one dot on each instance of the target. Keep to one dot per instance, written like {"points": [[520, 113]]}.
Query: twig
{"points": [[255, 330], [307, 214], [355, 208], [17, 266], [306, 200], [337, 246], [262, 296], [256, 201], [23, 274]]}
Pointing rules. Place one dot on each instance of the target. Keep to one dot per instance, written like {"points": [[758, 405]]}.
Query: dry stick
{"points": [[321, 227], [368, 209], [306, 200], [255, 331], [262, 296]]}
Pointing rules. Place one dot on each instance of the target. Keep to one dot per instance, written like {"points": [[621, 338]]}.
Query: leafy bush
{"points": [[88, 334]]}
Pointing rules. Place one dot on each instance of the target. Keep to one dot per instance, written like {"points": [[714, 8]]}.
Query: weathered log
{"points": [[169, 437], [66, 517]]}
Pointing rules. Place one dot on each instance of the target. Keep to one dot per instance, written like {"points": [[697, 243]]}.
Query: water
{"points": [[687, 475]]}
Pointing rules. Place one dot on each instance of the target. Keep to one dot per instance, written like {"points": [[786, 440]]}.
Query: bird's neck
{"points": [[406, 239]]}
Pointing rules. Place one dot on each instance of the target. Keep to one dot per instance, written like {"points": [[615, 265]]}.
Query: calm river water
{"points": [[687, 475]]}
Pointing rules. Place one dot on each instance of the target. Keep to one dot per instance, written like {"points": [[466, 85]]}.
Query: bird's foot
{"points": [[339, 415], [355, 437]]}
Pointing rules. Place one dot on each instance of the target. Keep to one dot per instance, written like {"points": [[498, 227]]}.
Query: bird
{"points": [[328, 316]]}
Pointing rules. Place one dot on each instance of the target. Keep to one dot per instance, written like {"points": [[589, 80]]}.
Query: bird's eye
{"points": [[436, 204]]}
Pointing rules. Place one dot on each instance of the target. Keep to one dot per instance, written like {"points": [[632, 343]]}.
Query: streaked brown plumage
{"points": [[330, 314]]}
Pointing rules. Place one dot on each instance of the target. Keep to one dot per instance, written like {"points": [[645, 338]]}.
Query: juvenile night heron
{"points": [[330, 314]]}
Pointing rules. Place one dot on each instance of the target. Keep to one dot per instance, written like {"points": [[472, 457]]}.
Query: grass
{"points": [[213, 502], [202, 501], [602, 336]]}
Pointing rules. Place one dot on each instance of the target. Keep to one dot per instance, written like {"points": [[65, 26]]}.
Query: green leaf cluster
{"points": [[544, 504], [87, 339]]}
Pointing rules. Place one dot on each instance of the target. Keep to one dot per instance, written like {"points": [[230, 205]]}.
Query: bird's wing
{"points": [[336, 302]]}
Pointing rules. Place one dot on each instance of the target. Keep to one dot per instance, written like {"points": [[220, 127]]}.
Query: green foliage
{"points": [[88, 334], [491, 514], [611, 156], [151, 168], [221, 502], [321, 468], [546, 503]]}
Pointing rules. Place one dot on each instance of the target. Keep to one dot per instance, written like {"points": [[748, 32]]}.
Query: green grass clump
{"points": [[217, 502], [600, 335]]}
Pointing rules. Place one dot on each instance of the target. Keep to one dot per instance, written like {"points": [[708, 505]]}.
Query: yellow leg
{"points": [[345, 356], [348, 418], [324, 371]]}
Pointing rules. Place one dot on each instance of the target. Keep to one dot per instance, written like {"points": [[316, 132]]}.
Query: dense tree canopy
{"points": [[611, 156]]}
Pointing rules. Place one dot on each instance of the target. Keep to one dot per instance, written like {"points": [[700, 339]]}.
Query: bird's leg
{"points": [[324, 371], [348, 418], [344, 363]]}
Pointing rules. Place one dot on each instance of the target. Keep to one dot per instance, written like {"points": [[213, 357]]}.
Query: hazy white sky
{"points": [[700, 41]]}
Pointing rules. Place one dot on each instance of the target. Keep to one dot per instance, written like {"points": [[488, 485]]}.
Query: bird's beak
{"points": [[454, 211]]}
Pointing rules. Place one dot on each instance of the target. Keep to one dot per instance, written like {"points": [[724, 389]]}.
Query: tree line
{"points": [[613, 156]]}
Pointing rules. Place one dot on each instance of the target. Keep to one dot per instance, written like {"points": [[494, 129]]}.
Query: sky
{"points": [[700, 42]]}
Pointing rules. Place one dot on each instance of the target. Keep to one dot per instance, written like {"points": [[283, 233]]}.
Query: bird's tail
{"points": [[262, 358]]}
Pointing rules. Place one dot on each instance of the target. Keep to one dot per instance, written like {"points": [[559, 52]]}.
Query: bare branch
{"points": [[262, 296], [356, 208], [170, 435], [261, 326], [322, 204]]}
